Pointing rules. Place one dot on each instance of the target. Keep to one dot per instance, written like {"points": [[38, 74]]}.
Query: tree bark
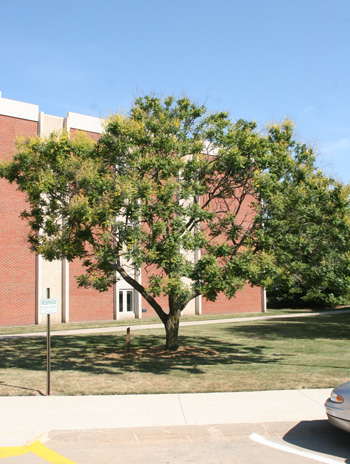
{"points": [[172, 331]]}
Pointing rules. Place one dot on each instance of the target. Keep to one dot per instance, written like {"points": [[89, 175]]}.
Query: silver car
{"points": [[338, 407]]}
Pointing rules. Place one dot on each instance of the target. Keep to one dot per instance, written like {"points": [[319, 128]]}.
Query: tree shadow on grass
{"points": [[206, 351], [299, 330], [106, 354], [332, 327]]}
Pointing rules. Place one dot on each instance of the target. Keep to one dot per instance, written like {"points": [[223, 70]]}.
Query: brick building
{"points": [[25, 277]]}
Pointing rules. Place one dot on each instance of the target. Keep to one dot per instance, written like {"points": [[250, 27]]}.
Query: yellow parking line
{"points": [[10, 451], [36, 448]]}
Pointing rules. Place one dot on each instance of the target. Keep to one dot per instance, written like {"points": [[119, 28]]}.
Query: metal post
{"points": [[48, 357], [48, 345], [128, 339]]}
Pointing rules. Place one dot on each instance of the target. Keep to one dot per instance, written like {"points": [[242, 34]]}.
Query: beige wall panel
{"points": [[190, 308], [49, 124]]}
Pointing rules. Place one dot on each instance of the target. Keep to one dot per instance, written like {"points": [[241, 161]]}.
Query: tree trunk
{"points": [[172, 331]]}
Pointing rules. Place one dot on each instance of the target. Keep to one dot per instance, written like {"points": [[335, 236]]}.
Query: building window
{"points": [[126, 301]]}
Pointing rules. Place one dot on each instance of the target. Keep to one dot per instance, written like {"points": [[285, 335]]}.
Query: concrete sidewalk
{"points": [[23, 419]]}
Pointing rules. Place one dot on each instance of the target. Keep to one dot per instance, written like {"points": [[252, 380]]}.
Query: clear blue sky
{"points": [[258, 59]]}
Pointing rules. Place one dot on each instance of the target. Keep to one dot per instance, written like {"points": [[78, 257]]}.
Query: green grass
{"points": [[240, 356], [126, 323]]}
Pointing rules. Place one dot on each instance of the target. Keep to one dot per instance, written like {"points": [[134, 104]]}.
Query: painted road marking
{"points": [[259, 439], [36, 448]]}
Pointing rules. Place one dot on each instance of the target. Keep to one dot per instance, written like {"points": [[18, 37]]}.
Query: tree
{"points": [[163, 182], [307, 228]]}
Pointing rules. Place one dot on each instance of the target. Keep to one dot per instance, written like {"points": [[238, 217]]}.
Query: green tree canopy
{"points": [[307, 228], [164, 181]]}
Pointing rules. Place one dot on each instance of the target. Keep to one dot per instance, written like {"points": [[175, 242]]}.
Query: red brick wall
{"points": [[17, 262], [10, 130], [87, 304], [247, 300]]}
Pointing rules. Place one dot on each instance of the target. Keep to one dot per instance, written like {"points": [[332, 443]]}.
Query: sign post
{"points": [[48, 306], [48, 357]]}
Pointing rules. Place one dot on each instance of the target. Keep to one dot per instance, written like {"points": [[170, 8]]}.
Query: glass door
{"points": [[126, 301]]}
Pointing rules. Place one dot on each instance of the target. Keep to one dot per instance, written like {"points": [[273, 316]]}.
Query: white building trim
{"points": [[84, 123], [20, 110], [65, 290], [38, 288]]}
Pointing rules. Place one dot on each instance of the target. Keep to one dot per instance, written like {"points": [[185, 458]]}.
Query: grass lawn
{"points": [[238, 356], [145, 321]]}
